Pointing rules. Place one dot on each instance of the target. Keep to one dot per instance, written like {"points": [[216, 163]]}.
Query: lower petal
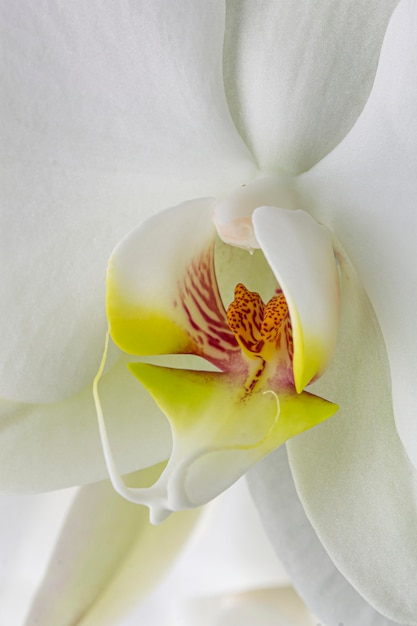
{"points": [[264, 607], [51, 446], [237, 558], [29, 528], [326, 592], [115, 558], [352, 474]]}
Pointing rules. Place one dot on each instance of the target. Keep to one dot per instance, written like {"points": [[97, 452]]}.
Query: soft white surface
{"points": [[106, 558], [354, 478], [112, 113], [57, 445], [228, 565], [99, 558], [326, 592], [29, 529], [89, 153], [366, 191], [298, 73], [267, 607]]}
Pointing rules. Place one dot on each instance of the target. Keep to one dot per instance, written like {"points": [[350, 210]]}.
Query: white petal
{"points": [[227, 555], [111, 114], [313, 574], [366, 192], [298, 73], [352, 474], [266, 607], [29, 528], [300, 253], [107, 557], [51, 446], [231, 543]]}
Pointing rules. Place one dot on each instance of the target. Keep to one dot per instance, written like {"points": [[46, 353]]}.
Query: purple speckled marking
{"points": [[208, 329]]}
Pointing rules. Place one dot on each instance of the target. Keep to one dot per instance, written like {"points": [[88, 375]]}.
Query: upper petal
{"points": [[298, 73], [366, 191], [110, 115]]}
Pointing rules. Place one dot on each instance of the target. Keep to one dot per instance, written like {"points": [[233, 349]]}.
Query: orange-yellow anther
{"points": [[276, 311], [254, 324]]}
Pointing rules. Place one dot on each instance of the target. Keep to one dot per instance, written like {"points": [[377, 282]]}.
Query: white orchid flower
{"points": [[114, 113], [163, 298]]}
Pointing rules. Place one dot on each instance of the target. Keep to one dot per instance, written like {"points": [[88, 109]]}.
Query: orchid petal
{"points": [[353, 476], [366, 191], [300, 253], [29, 528], [216, 436], [264, 607], [81, 167], [45, 447], [298, 73], [314, 575], [229, 532], [107, 557]]}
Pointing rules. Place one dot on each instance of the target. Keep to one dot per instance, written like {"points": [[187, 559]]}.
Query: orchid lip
{"points": [[264, 352]]}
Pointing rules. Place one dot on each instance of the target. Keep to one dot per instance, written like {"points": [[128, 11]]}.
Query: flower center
{"points": [[259, 327]]}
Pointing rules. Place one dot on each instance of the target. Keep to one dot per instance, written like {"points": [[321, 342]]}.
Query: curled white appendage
{"points": [[145, 496], [278, 404]]}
